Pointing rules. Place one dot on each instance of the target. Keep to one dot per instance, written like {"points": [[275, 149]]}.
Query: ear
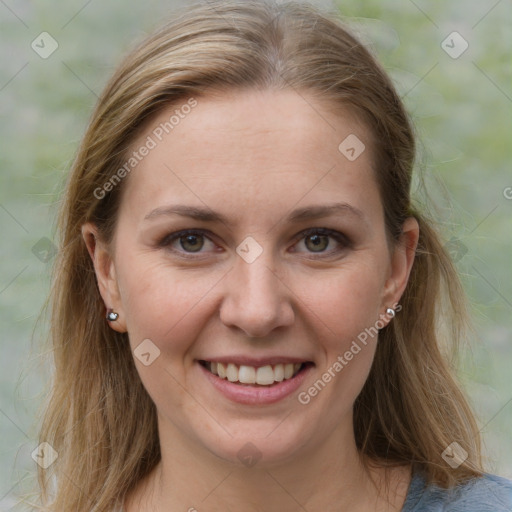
{"points": [[402, 260], [105, 270]]}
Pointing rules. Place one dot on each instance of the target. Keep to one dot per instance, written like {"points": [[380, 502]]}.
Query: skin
{"points": [[254, 156]]}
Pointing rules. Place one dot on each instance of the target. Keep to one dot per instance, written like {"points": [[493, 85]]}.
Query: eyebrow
{"points": [[298, 215]]}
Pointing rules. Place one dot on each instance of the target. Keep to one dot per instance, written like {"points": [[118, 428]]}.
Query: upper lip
{"points": [[256, 361]]}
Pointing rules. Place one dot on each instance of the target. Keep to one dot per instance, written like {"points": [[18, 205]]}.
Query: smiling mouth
{"points": [[267, 375]]}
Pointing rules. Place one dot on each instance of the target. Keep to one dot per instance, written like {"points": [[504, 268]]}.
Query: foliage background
{"points": [[462, 109]]}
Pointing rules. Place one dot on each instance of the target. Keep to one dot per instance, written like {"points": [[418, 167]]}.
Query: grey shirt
{"points": [[490, 493]]}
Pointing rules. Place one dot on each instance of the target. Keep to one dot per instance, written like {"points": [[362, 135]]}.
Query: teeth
{"points": [[263, 376], [279, 372], [232, 373], [221, 370], [247, 375]]}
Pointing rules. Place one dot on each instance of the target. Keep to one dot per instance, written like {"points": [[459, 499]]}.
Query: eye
{"points": [[319, 240], [189, 241]]}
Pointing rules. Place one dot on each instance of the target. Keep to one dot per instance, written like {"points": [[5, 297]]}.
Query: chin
{"points": [[265, 445]]}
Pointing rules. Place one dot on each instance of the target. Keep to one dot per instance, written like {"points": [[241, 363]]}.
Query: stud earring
{"points": [[390, 312], [112, 316]]}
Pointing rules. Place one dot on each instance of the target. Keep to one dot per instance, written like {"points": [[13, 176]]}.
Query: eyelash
{"points": [[336, 235]]}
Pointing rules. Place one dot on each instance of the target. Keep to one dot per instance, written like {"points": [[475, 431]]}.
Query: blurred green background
{"points": [[461, 105]]}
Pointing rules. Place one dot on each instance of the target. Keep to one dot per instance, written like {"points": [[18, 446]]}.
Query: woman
{"points": [[246, 303]]}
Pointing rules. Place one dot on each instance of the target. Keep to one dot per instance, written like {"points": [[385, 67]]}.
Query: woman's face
{"points": [[247, 236]]}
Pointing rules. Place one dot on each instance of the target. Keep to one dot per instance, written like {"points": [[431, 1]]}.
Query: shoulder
{"points": [[489, 493]]}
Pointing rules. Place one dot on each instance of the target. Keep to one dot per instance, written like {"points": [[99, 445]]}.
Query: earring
{"points": [[112, 316], [390, 312]]}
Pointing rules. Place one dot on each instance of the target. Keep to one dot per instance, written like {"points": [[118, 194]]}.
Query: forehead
{"points": [[255, 148]]}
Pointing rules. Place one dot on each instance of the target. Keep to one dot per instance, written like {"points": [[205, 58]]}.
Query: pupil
{"points": [[193, 241], [317, 241]]}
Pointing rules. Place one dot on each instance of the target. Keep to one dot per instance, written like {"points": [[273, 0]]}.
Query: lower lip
{"points": [[256, 395]]}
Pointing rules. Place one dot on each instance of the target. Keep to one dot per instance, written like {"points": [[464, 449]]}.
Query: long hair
{"points": [[99, 417]]}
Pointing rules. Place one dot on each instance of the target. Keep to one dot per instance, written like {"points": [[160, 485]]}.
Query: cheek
{"points": [[169, 308], [344, 302], [343, 312], [163, 304]]}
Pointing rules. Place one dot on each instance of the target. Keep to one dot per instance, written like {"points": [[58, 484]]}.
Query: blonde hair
{"points": [[99, 418]]}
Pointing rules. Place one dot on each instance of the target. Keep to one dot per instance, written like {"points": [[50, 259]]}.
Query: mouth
{"points": [[266, 375]]}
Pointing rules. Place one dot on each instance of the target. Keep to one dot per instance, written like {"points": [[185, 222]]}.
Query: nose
{"points": [[256, 300]]}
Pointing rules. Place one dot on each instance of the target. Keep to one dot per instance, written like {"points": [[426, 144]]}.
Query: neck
{"points": [[190, 478]]}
